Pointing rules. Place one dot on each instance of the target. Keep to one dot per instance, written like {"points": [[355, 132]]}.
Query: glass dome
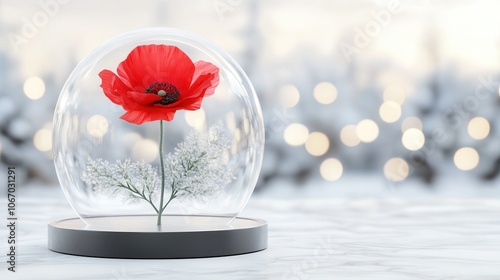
{"points": [[188, 145]]}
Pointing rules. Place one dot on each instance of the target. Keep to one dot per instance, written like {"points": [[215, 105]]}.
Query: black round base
{"points": [[138, 237]]}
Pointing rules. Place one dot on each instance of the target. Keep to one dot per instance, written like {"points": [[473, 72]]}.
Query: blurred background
{"points": [[360, 98]]}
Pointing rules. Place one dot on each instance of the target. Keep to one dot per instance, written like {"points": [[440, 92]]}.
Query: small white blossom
{"points": [[195, 170], [132, 181]]}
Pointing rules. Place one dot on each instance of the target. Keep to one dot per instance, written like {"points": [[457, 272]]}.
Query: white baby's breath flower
{"points": [[131, 181], [195, 170]]}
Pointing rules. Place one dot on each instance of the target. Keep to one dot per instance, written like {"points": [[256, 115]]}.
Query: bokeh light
{"points": [[478, 128], [237, 135], [97, 126], [390, 111], [348, 136], [466, 158], [413, 139], [145, 149], [195, 119], [34, 88], [296, 134], [396, 169], [325, 93], [367, 130], [231, 121], [43, 140], [331, 169], [411, 122], [246, 126], [317, 144], [394, 93], [289, 96]]}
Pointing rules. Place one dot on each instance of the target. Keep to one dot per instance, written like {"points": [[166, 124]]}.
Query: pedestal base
{"points": [[139, 237]]}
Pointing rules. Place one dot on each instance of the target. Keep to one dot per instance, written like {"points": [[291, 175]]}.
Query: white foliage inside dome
{"points": [[131, 180], [195, 170]]}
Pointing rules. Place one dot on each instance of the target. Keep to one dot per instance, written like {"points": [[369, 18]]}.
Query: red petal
{"points": [[166, 114], [194, 104], [148, 64], [196, 94], [134, 99], [112, 86], [203, 68], [147, 115], [200, 86], [137, 117]]}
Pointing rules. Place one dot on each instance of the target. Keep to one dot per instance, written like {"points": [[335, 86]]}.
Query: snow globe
{"points": [[158, 141]]}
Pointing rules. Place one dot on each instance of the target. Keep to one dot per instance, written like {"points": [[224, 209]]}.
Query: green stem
{"points": [[161, 208]]}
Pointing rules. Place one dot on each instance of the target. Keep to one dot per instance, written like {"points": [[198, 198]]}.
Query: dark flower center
{"points": [[168, 92]]}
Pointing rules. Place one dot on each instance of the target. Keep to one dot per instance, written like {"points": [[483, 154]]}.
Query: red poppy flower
{"points": [[155, 81]]}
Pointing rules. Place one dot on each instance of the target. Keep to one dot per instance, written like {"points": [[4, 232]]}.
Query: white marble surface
{"points": [[308, 239]]}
